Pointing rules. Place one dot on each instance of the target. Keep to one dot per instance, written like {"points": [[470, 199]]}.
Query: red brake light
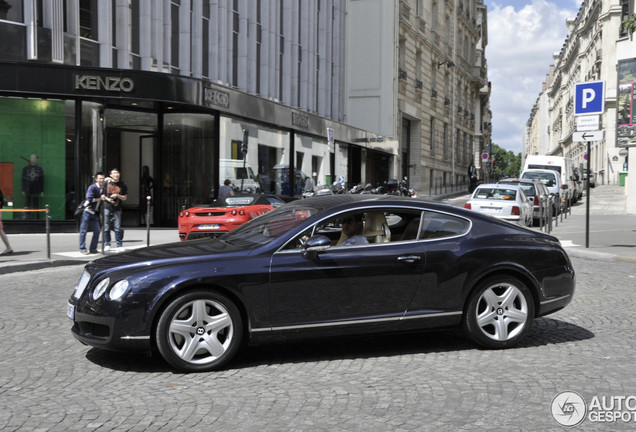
{"points": [[233, 212], [536, 200], [242, 212], [515, 211], [468, 206]]}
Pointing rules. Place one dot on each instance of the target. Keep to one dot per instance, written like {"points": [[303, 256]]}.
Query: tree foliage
{"points": [[507, 164]]}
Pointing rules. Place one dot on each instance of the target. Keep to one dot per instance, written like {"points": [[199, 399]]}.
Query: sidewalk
{"points": [[30, 250], [612, 232], [612, 236]]}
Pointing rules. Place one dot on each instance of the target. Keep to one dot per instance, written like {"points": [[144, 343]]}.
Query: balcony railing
{"points": [[402, 74], [434, 93], [419, 84]]}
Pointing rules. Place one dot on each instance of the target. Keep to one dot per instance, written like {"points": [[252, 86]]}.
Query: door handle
{"points": [[409, 259]]}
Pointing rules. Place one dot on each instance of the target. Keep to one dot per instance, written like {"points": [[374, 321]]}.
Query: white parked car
{"points": [[507, 202]]}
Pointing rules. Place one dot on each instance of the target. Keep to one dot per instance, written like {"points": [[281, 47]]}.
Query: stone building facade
{"points": [[425, 81]]}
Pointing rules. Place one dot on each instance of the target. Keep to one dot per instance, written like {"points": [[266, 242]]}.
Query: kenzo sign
{"points": [[112, 84]]}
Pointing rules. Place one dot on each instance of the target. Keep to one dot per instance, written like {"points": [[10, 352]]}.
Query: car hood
{"points": [[170, 253]]}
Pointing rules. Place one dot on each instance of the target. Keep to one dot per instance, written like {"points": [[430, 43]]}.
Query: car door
{"points": [[346, 284]]}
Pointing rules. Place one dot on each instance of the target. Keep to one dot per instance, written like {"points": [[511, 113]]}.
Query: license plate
{"points": [[209, 227], [70, 311], [491, 209]]}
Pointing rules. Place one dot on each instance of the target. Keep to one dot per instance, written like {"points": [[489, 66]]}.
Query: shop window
{"points": [[37, 145], [187, 155], [265, 166]]}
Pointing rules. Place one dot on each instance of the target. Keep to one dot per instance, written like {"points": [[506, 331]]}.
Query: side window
{"points": [[440, 225]]}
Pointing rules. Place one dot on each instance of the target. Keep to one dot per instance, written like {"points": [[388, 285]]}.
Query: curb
{"points": [[598, 256], [37, 265]]}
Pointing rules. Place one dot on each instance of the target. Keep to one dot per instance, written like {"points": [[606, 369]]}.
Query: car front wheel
{"points": [[500, 313], [199, 331]]}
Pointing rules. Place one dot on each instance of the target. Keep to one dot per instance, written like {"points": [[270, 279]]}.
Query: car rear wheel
{"points": [[199, 331], [500, 313]]}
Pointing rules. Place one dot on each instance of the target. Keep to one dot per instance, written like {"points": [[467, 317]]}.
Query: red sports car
{"points": [[223, 215]]}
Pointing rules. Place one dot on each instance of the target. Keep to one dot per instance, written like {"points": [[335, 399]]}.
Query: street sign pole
{"points": [[587, 200]]}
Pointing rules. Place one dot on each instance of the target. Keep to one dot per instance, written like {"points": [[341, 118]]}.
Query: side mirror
{"points": [[315, 244]]}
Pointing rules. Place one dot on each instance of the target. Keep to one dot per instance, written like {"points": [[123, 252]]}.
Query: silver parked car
{"points": [[507, 202], [535, 191]]}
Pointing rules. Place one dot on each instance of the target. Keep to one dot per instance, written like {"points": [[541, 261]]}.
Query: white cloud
{"points": [[519, 53]]}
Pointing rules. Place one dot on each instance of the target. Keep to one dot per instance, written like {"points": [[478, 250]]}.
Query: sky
{"points": [[522, 37]]}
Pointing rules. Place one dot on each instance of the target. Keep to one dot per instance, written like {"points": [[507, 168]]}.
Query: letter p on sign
{"points": [[589, 98]]}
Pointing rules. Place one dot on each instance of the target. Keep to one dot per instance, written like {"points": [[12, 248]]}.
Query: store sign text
{"points": [[216, 97], [114, 84], [300, 120]]}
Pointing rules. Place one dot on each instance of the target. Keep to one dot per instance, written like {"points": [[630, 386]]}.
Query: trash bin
{"points": [[622, 176]]}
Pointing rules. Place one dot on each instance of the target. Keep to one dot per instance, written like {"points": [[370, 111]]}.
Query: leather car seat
{"points": [[376, 229]]}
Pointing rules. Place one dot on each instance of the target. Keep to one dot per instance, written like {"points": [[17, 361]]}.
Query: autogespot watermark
{"points": [[571, 409]]}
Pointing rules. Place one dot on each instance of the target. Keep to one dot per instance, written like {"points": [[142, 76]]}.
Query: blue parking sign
{"points": [[589, 98]]}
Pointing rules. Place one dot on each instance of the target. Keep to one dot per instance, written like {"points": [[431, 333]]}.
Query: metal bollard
{"points": [[48, 234], [148, 222], [551, 206]]}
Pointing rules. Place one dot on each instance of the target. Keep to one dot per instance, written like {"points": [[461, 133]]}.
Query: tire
{"points": [[496, 301], [199, 331]]}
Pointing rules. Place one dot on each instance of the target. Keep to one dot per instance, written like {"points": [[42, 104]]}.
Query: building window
{"points": [[259, 42], [235, 42], [624, 16], [432, 137], [88, 19], [11, 10], [281, 51], [134, 35], [174, 41], [434, 15], [205, 69]]}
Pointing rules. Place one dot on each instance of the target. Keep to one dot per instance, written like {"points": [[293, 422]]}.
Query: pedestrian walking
{"points": [[115, 192], [5, 240], [90, 215], [226, 190]]}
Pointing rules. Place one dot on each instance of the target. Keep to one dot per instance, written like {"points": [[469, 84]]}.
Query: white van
{"points": [[560, 164], [240, 174]]}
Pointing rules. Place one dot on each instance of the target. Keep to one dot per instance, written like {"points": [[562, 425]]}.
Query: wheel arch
{"points": [[531, 283], [167, 300]]}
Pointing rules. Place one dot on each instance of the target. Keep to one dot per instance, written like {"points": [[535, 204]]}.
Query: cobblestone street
{"points": [[415, 382]]}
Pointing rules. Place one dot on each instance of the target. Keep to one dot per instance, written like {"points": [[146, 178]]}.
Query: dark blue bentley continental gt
{"points": [[292, 273]]}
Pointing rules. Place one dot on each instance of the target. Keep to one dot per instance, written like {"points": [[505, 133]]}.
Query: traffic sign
{"points": [[588, 136], [589, 98], [588, 123], [484, 156]]}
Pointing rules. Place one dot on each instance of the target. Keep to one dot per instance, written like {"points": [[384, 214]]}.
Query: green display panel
{"points": [[33, 127]]}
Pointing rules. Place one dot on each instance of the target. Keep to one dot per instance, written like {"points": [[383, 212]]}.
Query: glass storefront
{"points": [[187, 163], [265, 167], [37, 157]]}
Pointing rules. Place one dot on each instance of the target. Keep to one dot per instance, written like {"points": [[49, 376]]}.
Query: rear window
{"points": [[496, 194], [544, 177]]}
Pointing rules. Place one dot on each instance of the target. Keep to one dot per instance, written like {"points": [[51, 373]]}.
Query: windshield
{"points": [[270, 226]]}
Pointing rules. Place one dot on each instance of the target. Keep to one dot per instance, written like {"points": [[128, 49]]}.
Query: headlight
{"points": [[118, 290], [81, 284], [99, 290]]}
